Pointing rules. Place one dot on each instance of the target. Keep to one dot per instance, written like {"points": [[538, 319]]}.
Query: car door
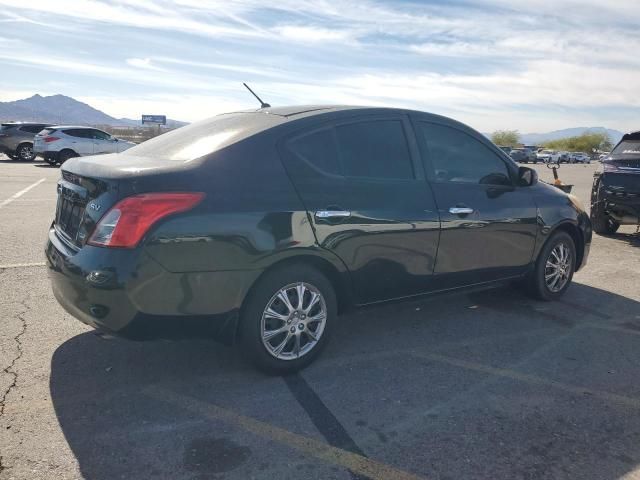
{"points": [[102, 142], [489, 224], [364, 190], [79, 140]]}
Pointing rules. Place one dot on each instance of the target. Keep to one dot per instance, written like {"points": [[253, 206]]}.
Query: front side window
{"points": [[457, 157], [100, 135]]}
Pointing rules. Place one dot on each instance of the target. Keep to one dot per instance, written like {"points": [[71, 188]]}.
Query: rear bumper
{"points": [[126, 292]]}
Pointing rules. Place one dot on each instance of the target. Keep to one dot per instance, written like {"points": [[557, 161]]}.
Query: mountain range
{"points": [[538, 138], [60, 109]]}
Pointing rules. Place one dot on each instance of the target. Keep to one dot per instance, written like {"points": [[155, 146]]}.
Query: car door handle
{"points": [[325, 214], [460, 210]]}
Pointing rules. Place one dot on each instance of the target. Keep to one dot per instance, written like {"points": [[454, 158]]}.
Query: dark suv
{"points": [[261, 226], [615, 196], [16, 139]]}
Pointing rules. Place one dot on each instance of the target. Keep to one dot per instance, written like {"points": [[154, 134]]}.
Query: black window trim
{"points": [[428, 165], [407, 127]]}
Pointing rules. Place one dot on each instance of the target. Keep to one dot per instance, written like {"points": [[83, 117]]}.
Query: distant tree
{"points": [[587, 142], [506, 138]]}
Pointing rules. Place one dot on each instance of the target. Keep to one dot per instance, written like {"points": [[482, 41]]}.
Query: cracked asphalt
{"points": [[481, 385]]}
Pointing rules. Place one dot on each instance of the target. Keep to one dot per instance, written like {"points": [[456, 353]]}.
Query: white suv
{"points": [[59, 143], [549, 156]]}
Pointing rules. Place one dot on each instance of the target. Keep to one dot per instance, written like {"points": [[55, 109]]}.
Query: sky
{"points": [[535, 65]]}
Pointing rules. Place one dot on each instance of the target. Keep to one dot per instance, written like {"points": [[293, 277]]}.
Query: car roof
{"points": [[74, 126], [17, 124]]}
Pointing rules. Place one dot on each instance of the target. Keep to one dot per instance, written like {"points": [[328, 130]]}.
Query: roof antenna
{"points": [[262, 104]]}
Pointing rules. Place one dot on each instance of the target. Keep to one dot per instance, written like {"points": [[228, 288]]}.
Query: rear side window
{"points": [[371, 149], [32, 128], [375, 149], [318, 149], [77, 132], [457, 157]]}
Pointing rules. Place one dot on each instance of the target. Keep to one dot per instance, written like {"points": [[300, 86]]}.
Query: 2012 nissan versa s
{"points": [[260, 226]]}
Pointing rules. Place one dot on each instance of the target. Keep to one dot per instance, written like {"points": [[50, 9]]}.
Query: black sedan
{"points": [[259, 227]]}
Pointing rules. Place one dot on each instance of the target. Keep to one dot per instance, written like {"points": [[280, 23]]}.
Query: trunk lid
{"points": [[90, 186]]}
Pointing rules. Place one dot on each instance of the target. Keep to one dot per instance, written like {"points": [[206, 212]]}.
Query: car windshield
{"points": [[627, 147]]}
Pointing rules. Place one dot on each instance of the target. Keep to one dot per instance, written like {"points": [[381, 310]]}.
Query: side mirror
{"points": [[527, 177]]}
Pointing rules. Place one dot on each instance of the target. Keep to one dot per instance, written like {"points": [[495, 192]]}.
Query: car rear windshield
{"points": [[205, 137], [627, 147], [47, 131]]}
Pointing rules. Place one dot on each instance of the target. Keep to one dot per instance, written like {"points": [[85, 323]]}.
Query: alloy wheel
{"points": [[558, 268], [26, 153], [293, 321]]}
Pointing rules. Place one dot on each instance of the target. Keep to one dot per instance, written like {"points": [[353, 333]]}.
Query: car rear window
{"points": [[205, 137], [47, 131]]}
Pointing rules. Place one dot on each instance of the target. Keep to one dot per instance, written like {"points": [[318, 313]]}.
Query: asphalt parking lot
{"points": [[486, 385]]}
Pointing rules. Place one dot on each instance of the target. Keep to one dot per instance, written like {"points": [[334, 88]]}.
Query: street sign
{"points": [[157, 119]]}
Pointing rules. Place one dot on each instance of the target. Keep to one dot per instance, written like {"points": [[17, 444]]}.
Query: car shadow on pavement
{"points": [[126, 408], [632, 239]]}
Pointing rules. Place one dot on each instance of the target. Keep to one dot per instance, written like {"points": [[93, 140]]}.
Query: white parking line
{"points": [[20, 193], [22, 265]]}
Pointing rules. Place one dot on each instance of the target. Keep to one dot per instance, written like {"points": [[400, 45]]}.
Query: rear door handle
{"points": [[460, 210], [328, 214]]}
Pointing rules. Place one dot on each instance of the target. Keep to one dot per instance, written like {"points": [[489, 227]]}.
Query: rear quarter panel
{"points": [[250, 219]]}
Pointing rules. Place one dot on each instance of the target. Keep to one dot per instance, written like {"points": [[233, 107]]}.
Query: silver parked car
{"points": [[16, 139], [59, 143]]}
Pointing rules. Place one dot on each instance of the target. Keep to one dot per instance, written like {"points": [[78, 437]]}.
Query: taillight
{"points": [[130, 219], [51, 139]]}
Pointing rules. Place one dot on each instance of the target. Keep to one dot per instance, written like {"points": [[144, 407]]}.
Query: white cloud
{"points": [[144, 63], [311, 34]]}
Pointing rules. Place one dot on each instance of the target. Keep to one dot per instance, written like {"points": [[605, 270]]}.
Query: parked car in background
{"points": [[519, 155], [261, 226], [580, 157], [506, 150], [16, 139], [615, 196], [548, 156], [57, 144], [565, 157]]}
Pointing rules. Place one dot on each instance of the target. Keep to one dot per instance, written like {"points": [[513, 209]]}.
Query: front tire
{"points": [[554, 268], [287, 319], [602, 223]]}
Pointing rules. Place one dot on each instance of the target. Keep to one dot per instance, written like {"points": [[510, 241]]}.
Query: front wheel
{"points": [[554, 268], [601, 222], [287, 319]]}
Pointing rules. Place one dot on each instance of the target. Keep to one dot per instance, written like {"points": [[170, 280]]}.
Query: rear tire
{"points": [[65, 155], [25, 153], [297, 323], [554, 268]]}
